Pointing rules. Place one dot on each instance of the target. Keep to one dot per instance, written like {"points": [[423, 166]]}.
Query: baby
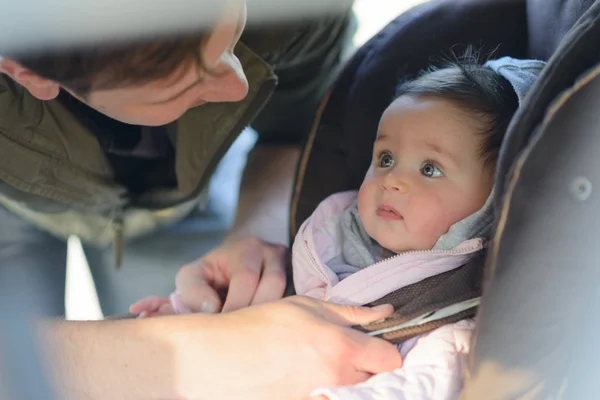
{"points": [[424, 208]]}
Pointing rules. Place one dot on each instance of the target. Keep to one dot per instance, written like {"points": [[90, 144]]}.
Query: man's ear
{"points": [[39, 87]]}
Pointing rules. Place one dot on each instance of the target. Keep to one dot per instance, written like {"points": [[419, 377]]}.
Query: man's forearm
{"points": [[265, 194], [132, 359]]}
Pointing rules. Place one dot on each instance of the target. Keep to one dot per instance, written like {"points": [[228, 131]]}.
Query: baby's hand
{"points": [[152, 306]]}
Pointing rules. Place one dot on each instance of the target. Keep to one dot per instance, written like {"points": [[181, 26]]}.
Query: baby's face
{"points": [[426, 174]]}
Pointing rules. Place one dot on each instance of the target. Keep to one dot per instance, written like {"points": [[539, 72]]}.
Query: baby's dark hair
{"points": [[478, 90]]}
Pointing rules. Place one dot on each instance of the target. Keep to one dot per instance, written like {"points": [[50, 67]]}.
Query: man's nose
{"points": [[238, 80], [395, 182], [229, 82]]}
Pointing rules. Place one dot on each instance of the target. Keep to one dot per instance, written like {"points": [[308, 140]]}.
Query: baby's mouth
{"points": [[388, 212]]}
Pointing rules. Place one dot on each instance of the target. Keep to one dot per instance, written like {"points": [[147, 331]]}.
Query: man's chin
{"points": [[199, 103]]}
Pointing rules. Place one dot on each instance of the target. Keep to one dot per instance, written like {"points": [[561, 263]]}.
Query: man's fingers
{"points": [[374, 355], [318, 397], [361, 377], [241, 288], [195, 289], [201, 298], [354, 377], [349, 378], [245, 270], [273, 279], [356, 315]]}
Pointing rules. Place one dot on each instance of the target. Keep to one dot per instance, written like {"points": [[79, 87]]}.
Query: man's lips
{"points": [[388, 212]]}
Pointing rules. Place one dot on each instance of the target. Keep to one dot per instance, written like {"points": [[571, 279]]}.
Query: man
{"points": [[112, 142]]}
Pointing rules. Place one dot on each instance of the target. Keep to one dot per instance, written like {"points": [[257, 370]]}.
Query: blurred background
{"points": [[81, 300]]}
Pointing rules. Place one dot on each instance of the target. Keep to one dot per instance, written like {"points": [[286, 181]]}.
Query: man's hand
{"points": [[234, 276], [281, 350]]}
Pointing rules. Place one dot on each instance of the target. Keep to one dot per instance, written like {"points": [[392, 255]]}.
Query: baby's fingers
{"points": [[149, 305]]}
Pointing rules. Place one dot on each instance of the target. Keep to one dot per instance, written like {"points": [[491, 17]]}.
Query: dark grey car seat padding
{"points": [[538, 328]]}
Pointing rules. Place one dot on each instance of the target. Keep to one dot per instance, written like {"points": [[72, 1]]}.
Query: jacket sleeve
{"points": [[433, 369]]}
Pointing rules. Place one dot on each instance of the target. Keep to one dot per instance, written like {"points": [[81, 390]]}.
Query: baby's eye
{"points": [[386, 160], [430, 170]]}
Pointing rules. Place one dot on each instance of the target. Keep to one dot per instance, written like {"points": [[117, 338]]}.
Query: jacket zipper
{"points": [[316, 264], [319, 269], [118, 227], [451, 252]]}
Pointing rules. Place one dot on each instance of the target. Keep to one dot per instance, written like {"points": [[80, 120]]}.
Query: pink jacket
{"points": [[433, 362]]}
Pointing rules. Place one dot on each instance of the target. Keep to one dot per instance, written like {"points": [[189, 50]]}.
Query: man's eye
{"points": [[430, 170], [385, 160]]}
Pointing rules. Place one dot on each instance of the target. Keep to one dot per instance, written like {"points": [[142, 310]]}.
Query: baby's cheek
{"points": [[366, 194], [370, 225], [366, 203], [433, 220], [429, 235]]}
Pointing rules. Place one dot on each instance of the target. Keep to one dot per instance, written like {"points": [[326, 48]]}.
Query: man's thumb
{"points": [[200, 298], [356, 315], [195, 292]]}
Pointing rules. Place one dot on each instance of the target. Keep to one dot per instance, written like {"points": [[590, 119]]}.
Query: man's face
{"points": [[164, 101]]}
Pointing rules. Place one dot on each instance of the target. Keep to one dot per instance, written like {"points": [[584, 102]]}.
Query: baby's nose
{"points": [[401, 187], [395, 184]]}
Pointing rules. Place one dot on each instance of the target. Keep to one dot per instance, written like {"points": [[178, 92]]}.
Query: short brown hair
{"points": [[116, 65]]}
